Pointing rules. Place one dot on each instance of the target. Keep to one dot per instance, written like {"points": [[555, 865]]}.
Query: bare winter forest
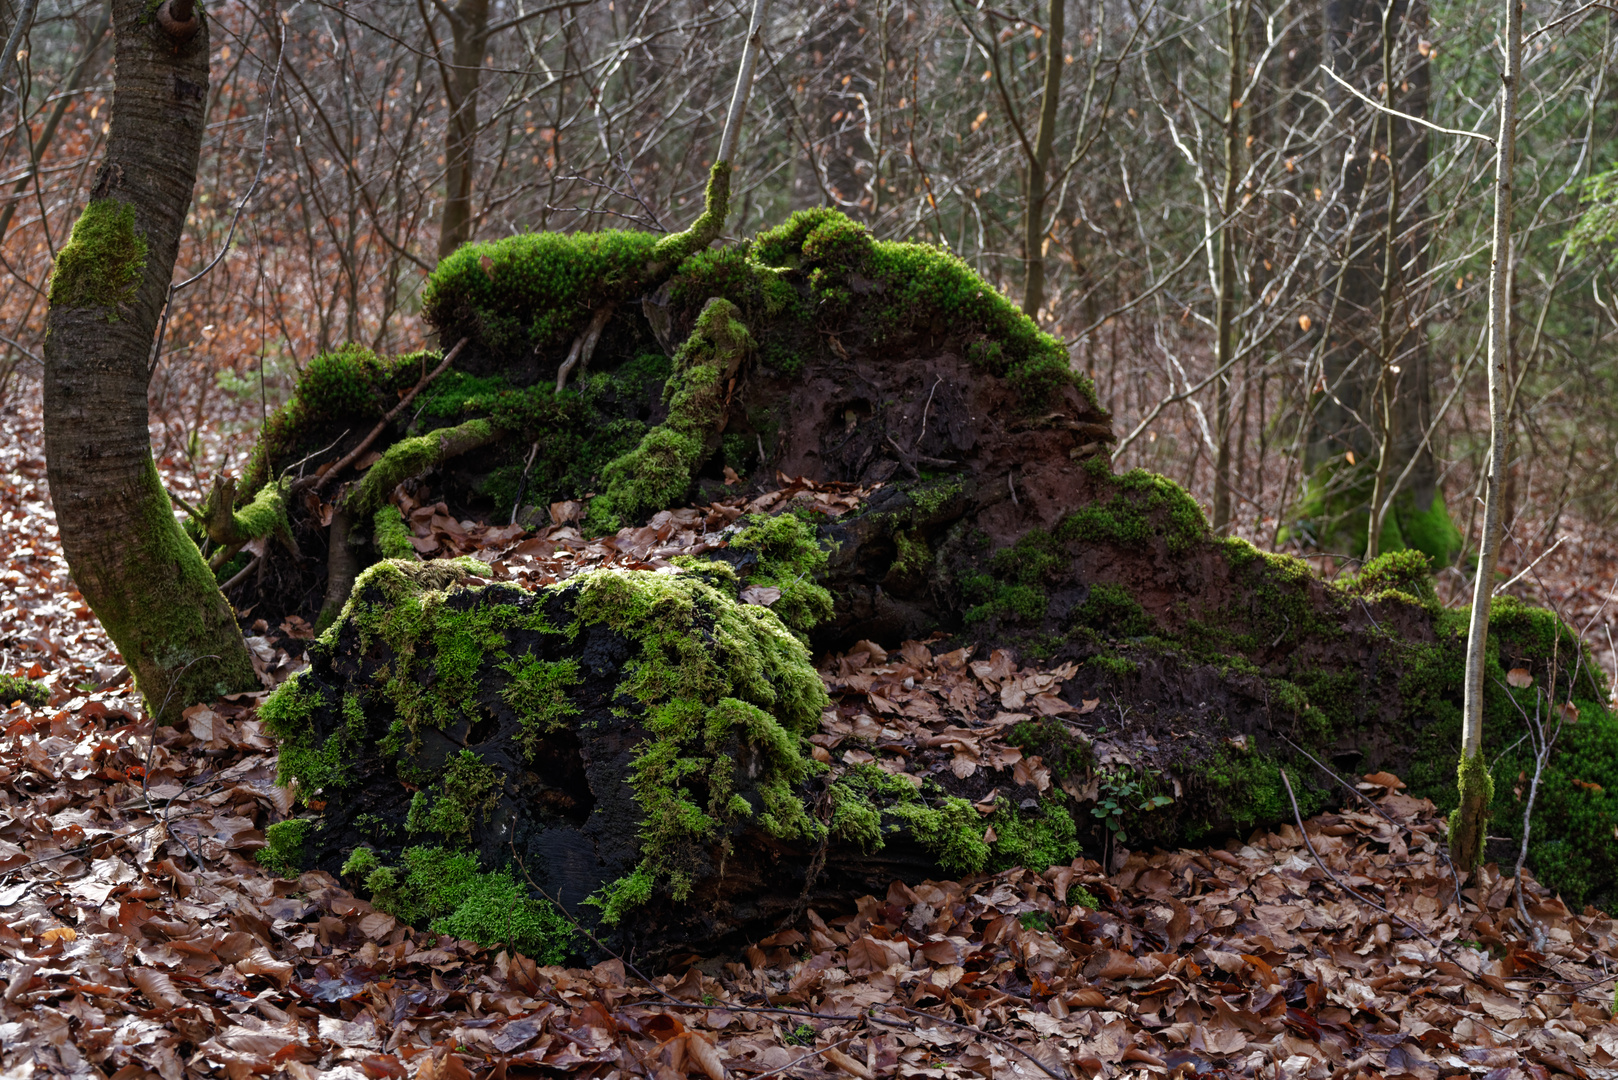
{"points": [[1055, 764]]}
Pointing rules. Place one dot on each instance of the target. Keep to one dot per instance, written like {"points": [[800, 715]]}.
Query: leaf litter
{"points": [[139, 937]]}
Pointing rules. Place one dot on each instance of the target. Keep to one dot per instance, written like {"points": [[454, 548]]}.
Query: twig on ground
{"points": [[1297, 816], [365, 444], [1368, 801]]}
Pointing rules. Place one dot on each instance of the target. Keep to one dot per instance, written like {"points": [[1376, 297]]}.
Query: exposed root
{"points": [[341, 570], [583, 346]]}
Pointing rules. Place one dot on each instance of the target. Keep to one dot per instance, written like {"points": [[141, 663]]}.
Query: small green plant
{"points": [[1036, 920], [1122, 793], [802, 1035]]}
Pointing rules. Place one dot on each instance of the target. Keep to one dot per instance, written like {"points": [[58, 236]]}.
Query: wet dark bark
{"points": [[140, 574]]}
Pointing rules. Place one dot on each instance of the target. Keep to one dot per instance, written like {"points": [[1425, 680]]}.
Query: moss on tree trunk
{"points": [[140, 573]]}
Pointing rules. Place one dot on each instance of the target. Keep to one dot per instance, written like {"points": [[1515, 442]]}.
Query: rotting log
{"points": [[629, 745]]}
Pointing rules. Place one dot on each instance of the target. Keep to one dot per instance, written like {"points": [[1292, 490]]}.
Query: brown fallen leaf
{"points": [[1520, 677]]}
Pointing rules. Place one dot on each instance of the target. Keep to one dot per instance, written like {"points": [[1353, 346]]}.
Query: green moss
{"points": [[347, 390], [1142, 506], [166, 614], [283, 853], [676, 247], [102, 263], [717, 680], [620, 897], [390, 534], [15, 688], [452, 894], [538, 694], [1476, 786], [658, 472], [789, 558], [868, 804], [1404, 573], [1119, 667], [361, 863], [317, 765], [1110, 610], [466, 794], [1035, 841], [1243, 788], [412, 457], [913, 289], [536, 291]]}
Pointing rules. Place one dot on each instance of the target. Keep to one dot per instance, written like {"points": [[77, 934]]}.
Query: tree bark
{"points": [[469, 23], [142, 576], [1471, 820], [1033, 297], [1225, 317], [1375, 413]]}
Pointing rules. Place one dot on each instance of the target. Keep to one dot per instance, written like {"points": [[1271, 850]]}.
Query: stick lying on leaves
{"points": [[365, 444]]}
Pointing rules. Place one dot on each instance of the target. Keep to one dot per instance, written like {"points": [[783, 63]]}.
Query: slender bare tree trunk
{"points": [[1469, 824], [1033, 297], [469, 23], [1225, 316], [1387, 377], [142, 576]]}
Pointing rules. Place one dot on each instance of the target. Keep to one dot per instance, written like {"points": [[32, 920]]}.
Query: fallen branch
{"points": [[365, 444]]}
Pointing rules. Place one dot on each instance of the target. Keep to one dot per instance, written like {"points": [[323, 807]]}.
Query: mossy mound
{"points": [[813, 349], [1216, 665], [627, 742]]}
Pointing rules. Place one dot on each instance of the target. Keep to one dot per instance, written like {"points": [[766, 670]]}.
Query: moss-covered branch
{"points": [[409, 458], [675, 248]]}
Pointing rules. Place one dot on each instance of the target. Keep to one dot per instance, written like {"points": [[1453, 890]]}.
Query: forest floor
{"points": [[139, 937]]}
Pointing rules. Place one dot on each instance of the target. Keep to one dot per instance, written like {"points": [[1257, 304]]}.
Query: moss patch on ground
{"points": [[15, 688]]}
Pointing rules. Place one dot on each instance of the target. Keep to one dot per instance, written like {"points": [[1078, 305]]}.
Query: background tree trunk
{"points": [[469, 23], [1033, 297], [143, 577], [1365, 281]]}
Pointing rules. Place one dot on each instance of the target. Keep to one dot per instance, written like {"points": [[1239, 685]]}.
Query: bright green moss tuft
{"points": [[1143, 506], [538, 694], [283, 853], [789, 558], [390, 534], [868, 804], [452, 894], [658, 472], [466, 794], [1033, 840], [103, 260], [15, 688], [717, 680], [535, 291], [1110, 610], [1406, 572]]}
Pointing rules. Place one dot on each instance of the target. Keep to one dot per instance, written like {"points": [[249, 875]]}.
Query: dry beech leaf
{"points": [[1520, 677], [157, 987]]}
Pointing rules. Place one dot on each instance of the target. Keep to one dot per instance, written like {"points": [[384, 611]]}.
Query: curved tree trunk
{"points": [[143, 577]]}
